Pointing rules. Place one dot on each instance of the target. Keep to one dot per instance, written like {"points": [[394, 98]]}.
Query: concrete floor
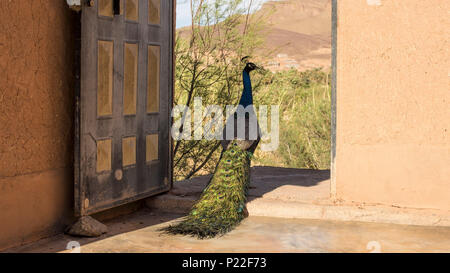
{"points": [[138, 232], [290, 211]]}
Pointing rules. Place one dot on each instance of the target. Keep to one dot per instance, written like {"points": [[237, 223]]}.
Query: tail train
{"points": [[222, 204]]}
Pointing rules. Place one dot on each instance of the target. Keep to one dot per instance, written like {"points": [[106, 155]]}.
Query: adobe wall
{"points": [[393, 103], [36, 119]]}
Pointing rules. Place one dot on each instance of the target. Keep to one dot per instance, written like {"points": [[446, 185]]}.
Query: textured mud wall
{"points": [[36, 117], [36, 94], [393, 102]]}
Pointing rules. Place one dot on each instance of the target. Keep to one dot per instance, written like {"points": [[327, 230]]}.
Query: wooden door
{"points": [[123, 147]]}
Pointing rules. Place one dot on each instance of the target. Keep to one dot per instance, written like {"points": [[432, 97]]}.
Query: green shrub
{"points": [[305, 118]]}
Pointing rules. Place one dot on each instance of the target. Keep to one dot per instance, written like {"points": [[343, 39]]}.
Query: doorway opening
{"points": [[296, 51]]}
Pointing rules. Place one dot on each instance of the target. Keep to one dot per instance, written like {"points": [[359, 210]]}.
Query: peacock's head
{"points": [[249, 65]]}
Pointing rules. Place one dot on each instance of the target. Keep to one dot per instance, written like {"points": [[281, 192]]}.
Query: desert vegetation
{"points": [[208, 55], [304, 99]]}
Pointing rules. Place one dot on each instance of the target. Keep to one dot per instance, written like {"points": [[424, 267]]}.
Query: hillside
{"points": [[299, 34]]}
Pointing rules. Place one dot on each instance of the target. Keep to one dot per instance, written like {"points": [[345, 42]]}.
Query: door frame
{"points": [[334, 26]]}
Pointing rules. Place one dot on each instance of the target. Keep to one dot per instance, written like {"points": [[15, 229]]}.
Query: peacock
{"points": [[221, 206]]}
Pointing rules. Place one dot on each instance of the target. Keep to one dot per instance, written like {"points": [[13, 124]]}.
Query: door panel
{"points": [[123, 149]]}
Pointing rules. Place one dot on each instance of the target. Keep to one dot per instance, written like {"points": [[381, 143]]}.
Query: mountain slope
{"points": [[298, 34]]}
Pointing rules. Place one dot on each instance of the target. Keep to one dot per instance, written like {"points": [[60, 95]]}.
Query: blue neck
{"points": [[247, 97]]}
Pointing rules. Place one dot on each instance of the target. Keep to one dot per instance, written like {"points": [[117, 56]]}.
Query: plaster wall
{"points": [[36, 118], [393, 102]]}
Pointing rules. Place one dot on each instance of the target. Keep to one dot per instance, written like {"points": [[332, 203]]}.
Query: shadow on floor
{"points": [[268, 179], [140, 219], [301, 184]]}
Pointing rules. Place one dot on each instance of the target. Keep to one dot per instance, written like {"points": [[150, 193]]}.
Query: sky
{"points": [[184, 11]]}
